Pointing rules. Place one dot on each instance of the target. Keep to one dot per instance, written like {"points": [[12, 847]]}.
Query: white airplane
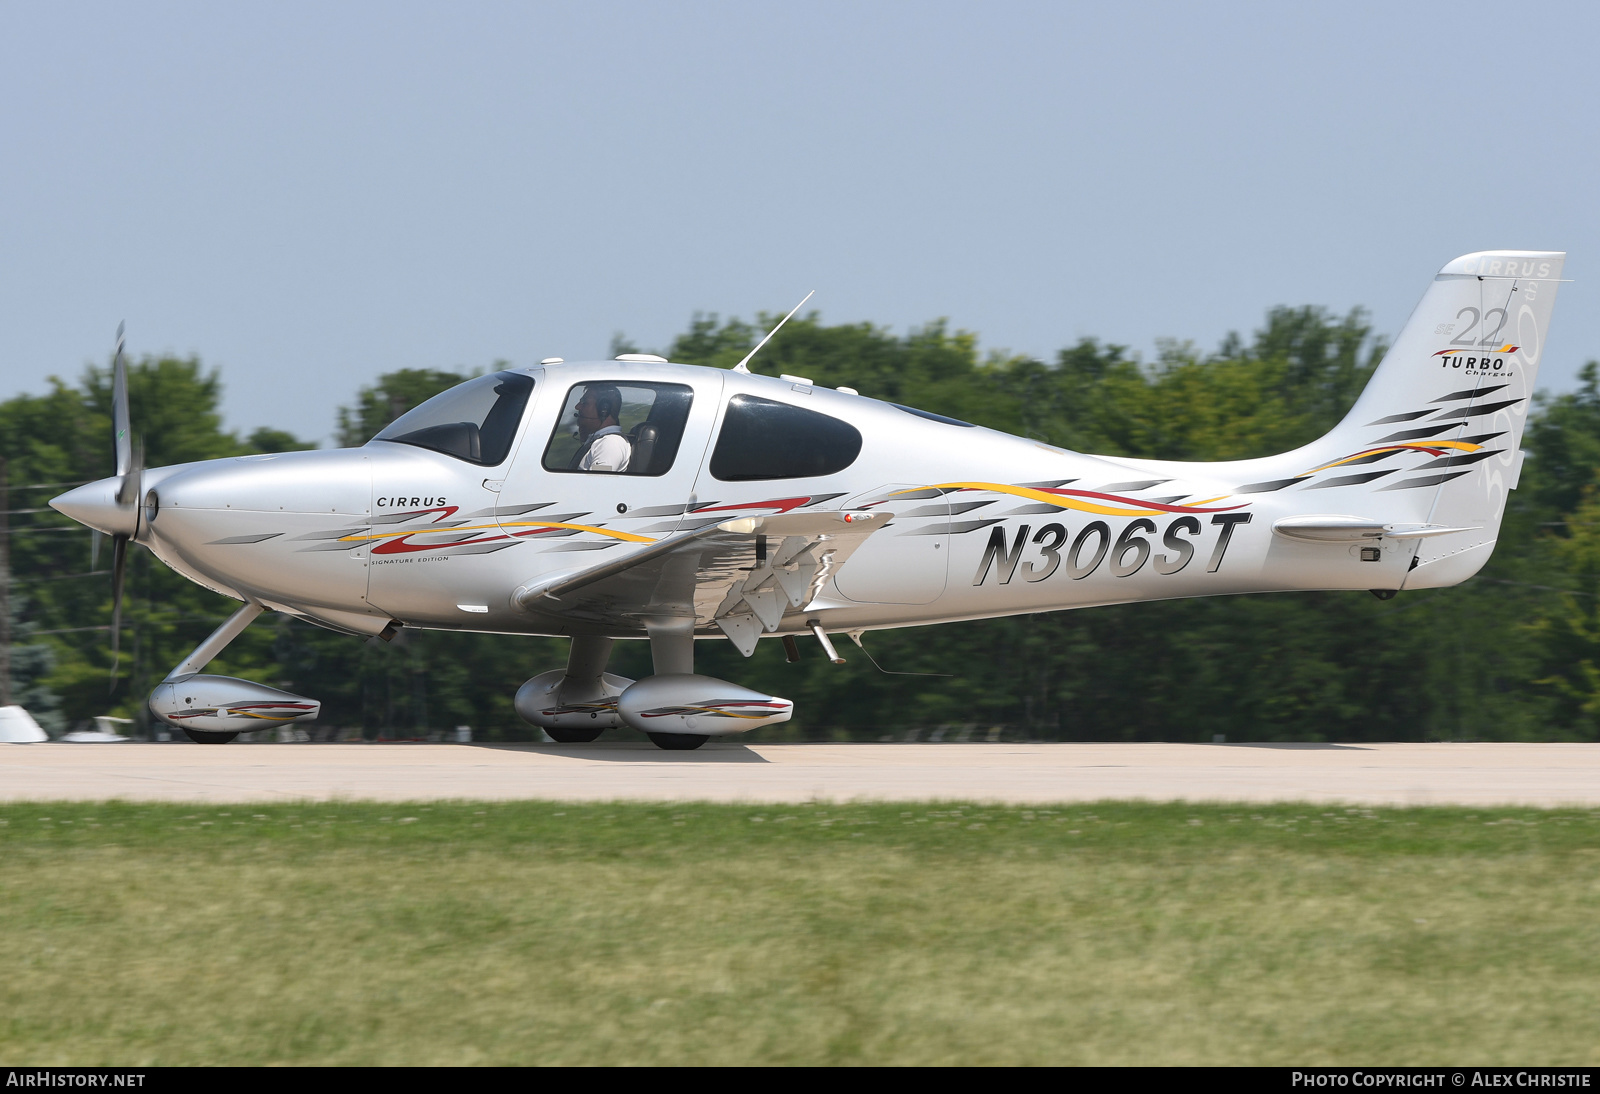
{"points": [[640, 499]]}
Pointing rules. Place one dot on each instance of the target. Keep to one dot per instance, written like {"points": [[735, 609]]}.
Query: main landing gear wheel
{"points": [[575, 736], [201, 737], [678, 742]]}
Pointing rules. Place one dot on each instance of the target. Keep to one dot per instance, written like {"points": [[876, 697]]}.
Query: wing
{"points": [[740, 577]]}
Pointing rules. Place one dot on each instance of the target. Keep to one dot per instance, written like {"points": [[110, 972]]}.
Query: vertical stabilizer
{"points": [[1435, 437]]}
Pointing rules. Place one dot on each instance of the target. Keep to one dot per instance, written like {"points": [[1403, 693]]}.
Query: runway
{"points": [[1381, 774]]}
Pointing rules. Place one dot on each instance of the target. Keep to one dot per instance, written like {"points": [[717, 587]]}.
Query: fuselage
{"points": [[636, 498], [439, 531]]}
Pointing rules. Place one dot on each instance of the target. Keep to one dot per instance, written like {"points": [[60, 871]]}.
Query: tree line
{"points": [[1512, 654]]}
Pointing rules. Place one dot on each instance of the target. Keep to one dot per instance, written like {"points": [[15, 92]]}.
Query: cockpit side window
{"points": [[762, 439], [619, 427], [475, 421]]}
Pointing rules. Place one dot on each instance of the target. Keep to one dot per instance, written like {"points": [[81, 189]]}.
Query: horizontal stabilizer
{"points": [[1344, 529]]}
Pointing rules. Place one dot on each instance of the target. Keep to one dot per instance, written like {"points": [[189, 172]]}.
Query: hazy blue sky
{"points": [[309, 194]]}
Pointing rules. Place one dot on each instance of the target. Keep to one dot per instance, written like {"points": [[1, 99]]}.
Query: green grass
{"points": [[534, 932]]}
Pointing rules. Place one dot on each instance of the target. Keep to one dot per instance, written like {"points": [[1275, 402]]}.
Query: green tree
{"points": [[267, 439], [64, 437], [1304, 666]]}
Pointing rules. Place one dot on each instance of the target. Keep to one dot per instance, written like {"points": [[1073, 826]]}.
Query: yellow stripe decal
{"points": [[626, 537], [1416, 446], [1053, 499]]}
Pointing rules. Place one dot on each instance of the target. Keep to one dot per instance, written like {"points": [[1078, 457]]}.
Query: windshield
{"points": [[475, 421]]}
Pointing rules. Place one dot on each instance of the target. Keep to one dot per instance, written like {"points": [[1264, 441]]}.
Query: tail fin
{"points": [[1437, 431]]}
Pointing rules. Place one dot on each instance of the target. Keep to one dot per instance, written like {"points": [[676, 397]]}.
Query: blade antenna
{"points": [[744, 366]]}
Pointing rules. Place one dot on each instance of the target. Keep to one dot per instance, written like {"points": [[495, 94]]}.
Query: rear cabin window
{"points": [[762, 439], [475, 421], [619, 427]]}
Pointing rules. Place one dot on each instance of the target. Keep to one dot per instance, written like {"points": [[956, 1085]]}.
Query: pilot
{"points": [[602, 446]]}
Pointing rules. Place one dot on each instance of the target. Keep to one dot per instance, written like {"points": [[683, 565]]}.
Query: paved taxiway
{"points": [[1390, 774]]}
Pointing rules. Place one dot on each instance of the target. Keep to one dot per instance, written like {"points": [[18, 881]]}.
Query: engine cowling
{"points": [[543, 702], [224, 704], [703, 705]]}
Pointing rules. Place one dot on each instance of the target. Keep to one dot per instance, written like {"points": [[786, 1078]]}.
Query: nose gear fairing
{"points": [[223, 704]]}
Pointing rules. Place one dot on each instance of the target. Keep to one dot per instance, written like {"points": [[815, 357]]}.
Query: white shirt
{"points": [[608, 450]]}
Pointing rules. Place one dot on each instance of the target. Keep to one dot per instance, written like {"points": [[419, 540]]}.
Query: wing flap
{"points": [[739, 577]]}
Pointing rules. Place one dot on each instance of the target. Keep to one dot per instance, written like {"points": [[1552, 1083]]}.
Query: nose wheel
{"points": [[677, 742], [566, 736], [200, 737]]}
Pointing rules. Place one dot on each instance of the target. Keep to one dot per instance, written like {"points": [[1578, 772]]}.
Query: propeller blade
{"points": [[130, 466], [121, 438], [119, 566], [132, 478]]}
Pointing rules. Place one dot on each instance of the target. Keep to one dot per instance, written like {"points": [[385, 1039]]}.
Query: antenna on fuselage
{"points": [[744, 366]]}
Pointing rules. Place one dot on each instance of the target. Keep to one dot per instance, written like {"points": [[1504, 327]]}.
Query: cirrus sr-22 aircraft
{"points": [[640, 499]]}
